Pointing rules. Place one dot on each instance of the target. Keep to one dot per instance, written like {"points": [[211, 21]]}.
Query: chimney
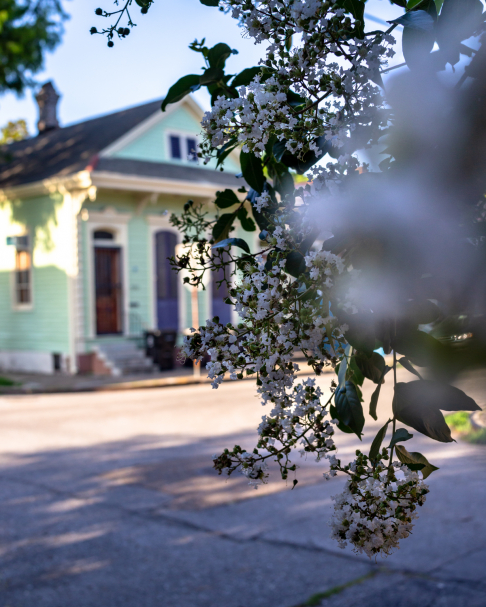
{"points": [[47, 99]]}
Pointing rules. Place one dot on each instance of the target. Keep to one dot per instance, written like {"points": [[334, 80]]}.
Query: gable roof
{"points": [[68, 150]]}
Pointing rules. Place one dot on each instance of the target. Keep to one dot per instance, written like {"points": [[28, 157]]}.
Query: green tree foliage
{"points": [[28, 29], [14, 131]]}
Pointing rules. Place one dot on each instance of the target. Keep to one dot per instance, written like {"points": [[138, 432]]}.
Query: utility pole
{"points": [[195, 324]]}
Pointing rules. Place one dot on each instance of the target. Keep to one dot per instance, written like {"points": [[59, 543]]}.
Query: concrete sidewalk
{"points": [[109, 499], [36, 383], [31, 383]]}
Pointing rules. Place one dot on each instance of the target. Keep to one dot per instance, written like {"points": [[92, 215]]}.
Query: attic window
{"points": [[175, 147], [183, 148], [192, 149]]}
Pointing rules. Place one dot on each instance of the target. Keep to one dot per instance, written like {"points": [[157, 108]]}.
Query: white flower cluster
{"points": [[262, 201], [269, 303], [271, 307], [251, 117], [317, 90], [323, 264], [333, 79], [298, 422], [377, 507]]}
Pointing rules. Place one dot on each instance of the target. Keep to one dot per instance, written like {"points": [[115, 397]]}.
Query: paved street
{"points": [[109, 500]]}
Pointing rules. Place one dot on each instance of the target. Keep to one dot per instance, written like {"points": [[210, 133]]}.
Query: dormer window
{"points": [[175, 147], [183, 148], [192, 149]]}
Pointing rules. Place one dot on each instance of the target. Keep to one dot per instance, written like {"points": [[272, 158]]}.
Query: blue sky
{"points": [[94, 79]]}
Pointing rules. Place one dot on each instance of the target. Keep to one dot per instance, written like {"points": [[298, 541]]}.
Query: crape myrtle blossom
{"points": [[378, 505], [318, 89], [276, 320], [333, 80]]}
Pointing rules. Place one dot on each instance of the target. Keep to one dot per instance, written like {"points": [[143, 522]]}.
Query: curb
{"points": [[143, 384]]}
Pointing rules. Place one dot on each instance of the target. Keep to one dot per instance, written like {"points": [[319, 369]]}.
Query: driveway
{"points": [[109, 500]]}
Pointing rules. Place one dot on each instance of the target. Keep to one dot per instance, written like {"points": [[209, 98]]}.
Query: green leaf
{"points": [[377, 441], [419, 403], [355, 375], [340, 425], [372, 367], [222, 227], [279, 150], [218, 54], [283, 181], [361, 331], [252, 170], [415, 461], [418, 20], [374, 402], [425, 5], [406, 364], [441, 395], [232, 242], [294, 99], [458, 20], [260, 219], [226, 199], [246, 76], [295, 264], [349, 409], [247, 223], [225, 150], [180, 89], [422, 312], [211, 75], [210, 2], [399, 436], [356, 8], [416, 46], [420, 348]]}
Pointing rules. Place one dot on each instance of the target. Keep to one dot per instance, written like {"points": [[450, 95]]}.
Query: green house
{"points": [[85, 236]]}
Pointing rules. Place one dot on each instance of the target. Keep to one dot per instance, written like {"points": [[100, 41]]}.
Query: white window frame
{"points": [[16, 305], [183, 136]]}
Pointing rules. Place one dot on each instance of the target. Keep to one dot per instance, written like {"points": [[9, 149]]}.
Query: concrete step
{"points": [[127, 358]]}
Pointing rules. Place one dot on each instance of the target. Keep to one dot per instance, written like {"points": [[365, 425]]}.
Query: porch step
{"points": [[126, 358]]}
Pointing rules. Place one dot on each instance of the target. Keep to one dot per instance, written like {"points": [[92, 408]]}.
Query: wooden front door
{"points": [[108, 290]]}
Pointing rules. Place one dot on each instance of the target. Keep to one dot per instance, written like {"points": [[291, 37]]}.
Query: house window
{"points": [[192, 149], [103, 235], [183, 148], [175, 147], [23, 271]]}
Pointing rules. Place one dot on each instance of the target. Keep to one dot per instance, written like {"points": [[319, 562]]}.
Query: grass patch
{"points": [[461, 423], [4, 381], [316, 599]]}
